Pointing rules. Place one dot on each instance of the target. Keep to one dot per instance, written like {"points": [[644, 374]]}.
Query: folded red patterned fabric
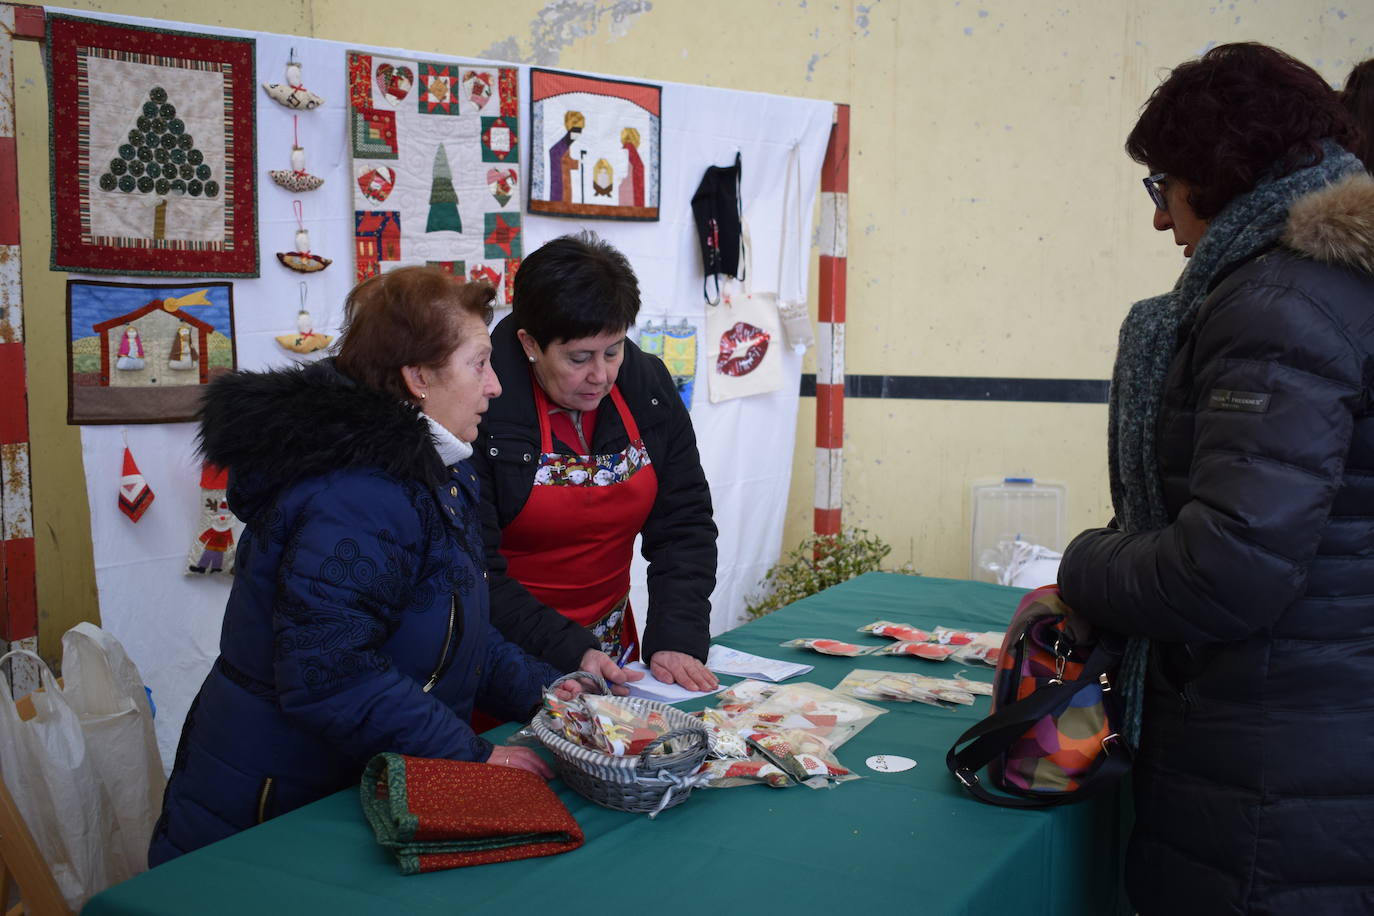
{"points": [[437, 814]]}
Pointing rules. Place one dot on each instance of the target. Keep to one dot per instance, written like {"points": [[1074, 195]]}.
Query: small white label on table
{"points": [[889, 763]]}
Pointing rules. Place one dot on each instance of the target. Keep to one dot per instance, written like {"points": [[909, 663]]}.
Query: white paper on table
{"points": [[724, 660], [651, 688]]}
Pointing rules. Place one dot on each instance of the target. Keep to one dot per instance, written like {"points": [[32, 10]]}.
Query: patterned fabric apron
{"points": [[572, 543]]}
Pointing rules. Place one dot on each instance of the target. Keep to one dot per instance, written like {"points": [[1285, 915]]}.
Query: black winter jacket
{"points": [[1255, 780], [679, 537]]}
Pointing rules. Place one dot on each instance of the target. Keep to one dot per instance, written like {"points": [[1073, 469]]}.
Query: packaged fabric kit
{"points": [[966, 646], [906, 688], [781, 735], [827, 646]]}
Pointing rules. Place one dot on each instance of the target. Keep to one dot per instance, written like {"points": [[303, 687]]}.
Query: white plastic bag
{"points": [[44, 763], [105, 689]]}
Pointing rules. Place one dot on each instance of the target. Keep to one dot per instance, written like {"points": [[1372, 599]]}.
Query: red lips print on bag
{"points": [[742, 349]]}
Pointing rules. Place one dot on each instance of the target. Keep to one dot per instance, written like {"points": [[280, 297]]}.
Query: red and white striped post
{"points": [[834, 250], [18, 589]]}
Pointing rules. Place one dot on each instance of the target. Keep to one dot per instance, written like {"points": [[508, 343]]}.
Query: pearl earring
{"points": [[530, 358], [423, 395]]}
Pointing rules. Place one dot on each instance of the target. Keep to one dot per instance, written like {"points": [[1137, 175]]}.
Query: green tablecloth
{"points": [[908, 842]]}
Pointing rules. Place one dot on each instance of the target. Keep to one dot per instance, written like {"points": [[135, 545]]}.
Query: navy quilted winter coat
{"points": [[1255, 781], [359, 618]]}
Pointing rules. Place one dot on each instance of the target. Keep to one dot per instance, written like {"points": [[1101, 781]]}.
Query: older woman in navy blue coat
{"points": [[358, 621]]}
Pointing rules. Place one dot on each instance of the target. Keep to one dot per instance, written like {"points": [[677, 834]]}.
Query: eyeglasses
{"points": [[1154, 186]]}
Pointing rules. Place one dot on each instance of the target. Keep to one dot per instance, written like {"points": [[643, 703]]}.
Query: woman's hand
{"points": [[598, 662], [570, 690], [520, 758], [681, 668]]}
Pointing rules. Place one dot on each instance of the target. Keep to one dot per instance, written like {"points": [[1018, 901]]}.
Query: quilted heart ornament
{"points": [[394, 82], [477, 85], [377, 183], [482, 273], [502, 184]]}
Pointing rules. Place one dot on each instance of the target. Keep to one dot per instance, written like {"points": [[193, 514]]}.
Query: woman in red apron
{"points": [[588, 448]]}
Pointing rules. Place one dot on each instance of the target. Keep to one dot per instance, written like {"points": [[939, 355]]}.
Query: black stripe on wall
{"points": [[964, 388]]}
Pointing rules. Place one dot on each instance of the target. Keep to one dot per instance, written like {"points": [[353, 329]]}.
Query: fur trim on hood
{"points": [[273, 428], [1336, 224]]}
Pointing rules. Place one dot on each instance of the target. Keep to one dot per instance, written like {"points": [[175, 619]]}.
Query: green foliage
{"points": [[820, 561]]}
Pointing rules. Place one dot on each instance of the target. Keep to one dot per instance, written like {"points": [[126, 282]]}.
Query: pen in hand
{"points": [[625, 656]]}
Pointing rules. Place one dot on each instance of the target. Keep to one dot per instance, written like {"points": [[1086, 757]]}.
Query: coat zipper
{"points": [[448, 642], [263, 794]]}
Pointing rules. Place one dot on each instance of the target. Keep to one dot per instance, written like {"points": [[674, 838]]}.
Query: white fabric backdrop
{"points": [[169, 622]]}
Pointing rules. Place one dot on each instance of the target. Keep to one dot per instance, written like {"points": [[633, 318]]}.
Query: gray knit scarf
{"points": [[1148, 342]]}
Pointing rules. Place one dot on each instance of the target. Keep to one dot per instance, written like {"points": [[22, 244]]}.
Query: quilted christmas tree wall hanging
{"points": [[153, 159], [435, 164]]}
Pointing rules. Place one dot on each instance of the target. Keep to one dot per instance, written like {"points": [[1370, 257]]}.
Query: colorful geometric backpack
{"points": [[1052, 736]]}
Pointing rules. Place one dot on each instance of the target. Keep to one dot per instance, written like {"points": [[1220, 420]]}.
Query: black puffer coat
{"points": [[1255, 780], [679, 537]]}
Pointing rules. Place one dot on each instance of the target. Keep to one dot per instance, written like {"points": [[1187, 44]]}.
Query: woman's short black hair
{"points": [[1358, 98], [1239, 113], [574, 286]]}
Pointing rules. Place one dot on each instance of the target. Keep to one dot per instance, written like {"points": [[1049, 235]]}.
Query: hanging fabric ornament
{"points": [[135, 496], [296, 179], [291, 93], [301, 259], [305, 340], [212, 550]]}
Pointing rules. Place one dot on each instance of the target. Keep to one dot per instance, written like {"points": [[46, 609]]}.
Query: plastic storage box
{"points": [[1010, 510]]}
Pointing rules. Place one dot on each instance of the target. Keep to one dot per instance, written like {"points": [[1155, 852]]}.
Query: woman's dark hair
{"points": [[574, 286], [408, 317], [1239, 113], [1358, 99]]}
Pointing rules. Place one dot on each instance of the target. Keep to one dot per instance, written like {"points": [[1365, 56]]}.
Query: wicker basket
{"points": [[646, 783]]}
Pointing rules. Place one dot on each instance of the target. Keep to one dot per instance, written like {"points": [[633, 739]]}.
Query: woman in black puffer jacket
{"points": [[1241, 438]]}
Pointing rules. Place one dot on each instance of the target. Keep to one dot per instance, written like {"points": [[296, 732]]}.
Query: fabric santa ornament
{"points": [[135, 496], [212, 550]]}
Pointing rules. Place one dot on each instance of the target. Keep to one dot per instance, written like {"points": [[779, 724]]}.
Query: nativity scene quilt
{"points": [[435, 167], [594, 146], [153, 156], [143, 353]]}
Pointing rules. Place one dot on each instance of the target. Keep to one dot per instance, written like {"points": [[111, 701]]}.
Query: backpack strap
{"points": [[999, 731]]}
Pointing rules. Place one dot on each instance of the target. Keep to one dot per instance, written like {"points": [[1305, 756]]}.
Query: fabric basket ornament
{"points": [[306, 339], [293, 93], [1052, 737], [296, 179], [647, 783], [438, 814], [302, 260]]}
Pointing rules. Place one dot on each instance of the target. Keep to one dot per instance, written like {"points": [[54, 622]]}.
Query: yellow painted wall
{"points": [[996, 228]]}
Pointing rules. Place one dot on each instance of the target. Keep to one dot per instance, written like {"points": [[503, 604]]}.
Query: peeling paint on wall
{"points": [[564, 22], [811, 64], [505, 49]]}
